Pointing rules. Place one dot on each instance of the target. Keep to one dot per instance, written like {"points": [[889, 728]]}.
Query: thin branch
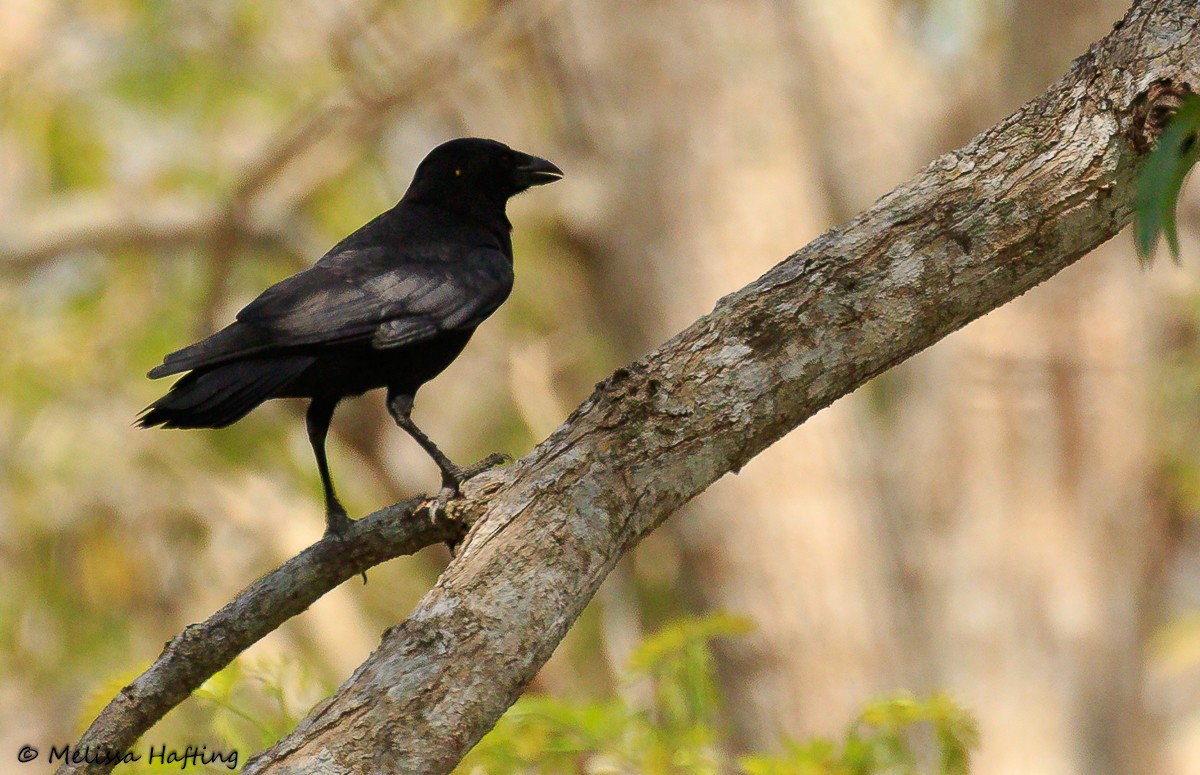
{"points": [[79, 225], [104, 227], [197, 653], [359, 110]]}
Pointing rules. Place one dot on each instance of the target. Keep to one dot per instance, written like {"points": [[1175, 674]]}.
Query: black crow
{"points": [[389, 306]]}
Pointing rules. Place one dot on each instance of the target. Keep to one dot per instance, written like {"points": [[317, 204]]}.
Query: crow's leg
{"points": [[320, 413], [400, 405]]}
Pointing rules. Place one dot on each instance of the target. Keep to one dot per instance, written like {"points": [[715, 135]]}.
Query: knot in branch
{"points": [[1153, 110]]}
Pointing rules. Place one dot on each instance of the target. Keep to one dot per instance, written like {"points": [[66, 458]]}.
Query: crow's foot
{"points": [[337, 526], [337, 523], [453, 476]]}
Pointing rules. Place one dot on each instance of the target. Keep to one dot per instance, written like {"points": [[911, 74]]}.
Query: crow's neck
{"points": [[485, 213]]}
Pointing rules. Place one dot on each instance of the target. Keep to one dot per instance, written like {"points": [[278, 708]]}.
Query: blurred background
{"points": [[1010, 518]]}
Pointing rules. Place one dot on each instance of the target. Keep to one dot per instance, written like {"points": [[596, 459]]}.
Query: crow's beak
{"points": [[533, 171]]}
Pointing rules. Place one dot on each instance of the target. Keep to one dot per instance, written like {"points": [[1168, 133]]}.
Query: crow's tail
{"points": [[219, 395]]}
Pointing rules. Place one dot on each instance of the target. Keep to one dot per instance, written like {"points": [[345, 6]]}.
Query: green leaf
{"points": [[1162, 179], [675, 639]]}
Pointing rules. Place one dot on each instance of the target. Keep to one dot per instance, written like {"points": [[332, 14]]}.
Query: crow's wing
{"points": [[360, 294], [367, 293]]}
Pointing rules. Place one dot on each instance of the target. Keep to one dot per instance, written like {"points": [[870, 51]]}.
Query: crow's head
{"points": [[472, 171]]}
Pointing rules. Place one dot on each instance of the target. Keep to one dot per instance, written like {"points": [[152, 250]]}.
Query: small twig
{"points": [[108, 231], [359, 109]]}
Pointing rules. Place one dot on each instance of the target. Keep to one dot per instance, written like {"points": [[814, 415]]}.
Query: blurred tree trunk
{"points": [[1027, 498], [1024, 471], [795, 541]]}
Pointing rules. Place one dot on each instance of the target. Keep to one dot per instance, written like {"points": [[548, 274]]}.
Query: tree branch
{"points": [[973, 230], [197, 653], [86, 223]]}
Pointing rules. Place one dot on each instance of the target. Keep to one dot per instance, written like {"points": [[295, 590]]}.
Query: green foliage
{"points": [[673, 729], [1162, 180], [677, 661], [678, 729], [248, 706], [245, 708], [888, 737]]}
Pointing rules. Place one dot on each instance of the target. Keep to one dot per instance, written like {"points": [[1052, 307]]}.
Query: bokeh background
{"points": [[1010, 517]]}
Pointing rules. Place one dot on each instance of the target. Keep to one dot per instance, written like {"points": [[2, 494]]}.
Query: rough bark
{"points": [[973, 230]]}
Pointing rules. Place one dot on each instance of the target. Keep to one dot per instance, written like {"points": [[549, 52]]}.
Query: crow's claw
{"points": [[453, 479]]}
